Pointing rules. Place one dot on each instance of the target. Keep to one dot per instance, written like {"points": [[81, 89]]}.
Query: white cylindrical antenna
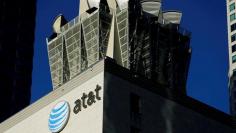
{"points": [[58, 23], [93, 3]]}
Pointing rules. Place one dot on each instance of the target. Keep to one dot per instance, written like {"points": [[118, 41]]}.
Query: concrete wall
{"points": [[158, 114], [34, 119], [112, 113]]}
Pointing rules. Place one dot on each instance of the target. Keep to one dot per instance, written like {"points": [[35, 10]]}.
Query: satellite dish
{"points": [[173, 17], [151, 7], [58, 23], [93, 3]]}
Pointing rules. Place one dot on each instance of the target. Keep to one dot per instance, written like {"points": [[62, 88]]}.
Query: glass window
{"points": [[124, 48], [232, 7], [122, 25], [235, 106], [232, 17], [233, 48], [134, 130], [135, 103], [122, 32], [234, 58], [233, 37], [234, 73], [234, 81], [233, 27]]}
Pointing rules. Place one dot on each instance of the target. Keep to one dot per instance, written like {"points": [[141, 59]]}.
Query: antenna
{"points": [[59, 21], [93, 3]]}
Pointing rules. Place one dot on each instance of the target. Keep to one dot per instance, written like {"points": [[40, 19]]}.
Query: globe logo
{"points": [[59, 117]]}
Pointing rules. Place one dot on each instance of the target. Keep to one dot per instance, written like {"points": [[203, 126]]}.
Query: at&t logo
{"points": [[59, 117]]}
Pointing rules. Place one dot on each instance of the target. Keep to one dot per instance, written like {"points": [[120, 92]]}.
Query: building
{"points": [[109, 76], [139, 35], [17, 24], [108, 98], [231, 21], [159, 47]]}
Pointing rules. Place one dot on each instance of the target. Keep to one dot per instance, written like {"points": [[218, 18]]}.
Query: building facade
{"points": [[138, 34], [17, 25], [108, 98], [231, 21], [159, 48], [101, 80]]}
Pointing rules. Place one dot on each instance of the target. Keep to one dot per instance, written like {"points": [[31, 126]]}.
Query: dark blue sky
{"points": [[207, 81]]}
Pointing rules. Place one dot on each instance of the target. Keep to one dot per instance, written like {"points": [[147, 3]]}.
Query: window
{"points": [[235, 106], [233, 48], [135, 103], [233, 37], [234, 74], [234, 82], [234, 58], [134, 130], [232, 17], [233, 27], [232, 7], [135, 110]]}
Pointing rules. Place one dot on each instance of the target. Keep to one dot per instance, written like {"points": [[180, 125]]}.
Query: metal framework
{"points": [[141, 37]]}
